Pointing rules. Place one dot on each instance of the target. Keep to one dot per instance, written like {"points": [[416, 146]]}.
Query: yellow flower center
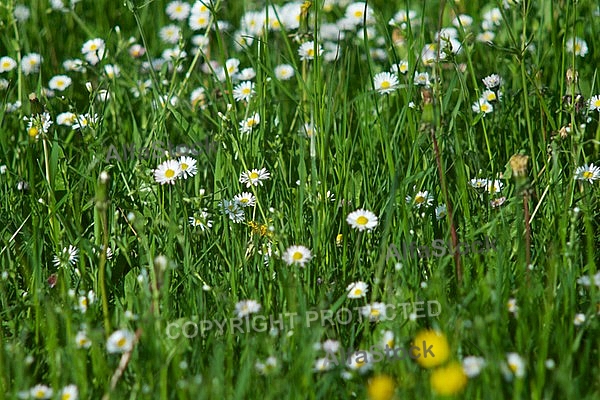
{"points": [[419, 199], [357, 292], [121, 342], [246, 90], [577, 47], [253, 175], [169, 173], [5, 64], [597, 103], [297, 256], [66, 396], [588, 174], [244, 201], [310, 52], [513, 367], [93, 47], [184, 166], [358, 13], [375, 312], [385, 84], [33, 132], [362, 220]]}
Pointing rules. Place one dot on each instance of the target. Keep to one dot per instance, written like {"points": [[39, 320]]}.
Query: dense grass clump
{"points": [[282, 199]]}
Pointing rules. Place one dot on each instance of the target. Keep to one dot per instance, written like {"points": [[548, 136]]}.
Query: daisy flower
{"points": [[247, 74], [307, 50], [59, 82], [495, 203], [516, 364], [362, 219], [68, 256], [323, 364], [199, 20], [587, 173], [246, 307], [482, 106], [69, 392], [375, 312], [512, 306], [473, 365], [245, 199], [361, 361], [30, 64], [385, 82], [486, 37], [93, 50], [85, 120], [594, 103], [203, 221], [441, 211], [247, 125], [490, 96], [422, 79], [233, 210], [357, 290], [267, 367], [254, 177], [478, 183], [463, 20], [492, 81], [169, 34], [388, 340], [167, 172], [578, 46], [82, 341], [178, 10], [75, 65], [7, 64], [299, 255], [82, 304], [37, 124], [579, 319], [331, 346], [422, 198], [401, 67], [232, 65], [402, 17], [284, 72], [21, 13], [494, 186], [112, 71], [187, 165], [120, 341], [41, 392], [244, 91]]}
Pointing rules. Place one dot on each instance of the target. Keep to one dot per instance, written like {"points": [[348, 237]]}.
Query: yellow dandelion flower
{"points": [[439, 347], [381, 388], [448, 380]]}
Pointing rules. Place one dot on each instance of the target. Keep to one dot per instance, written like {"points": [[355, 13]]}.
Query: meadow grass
{"points": [[116, 276]]}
